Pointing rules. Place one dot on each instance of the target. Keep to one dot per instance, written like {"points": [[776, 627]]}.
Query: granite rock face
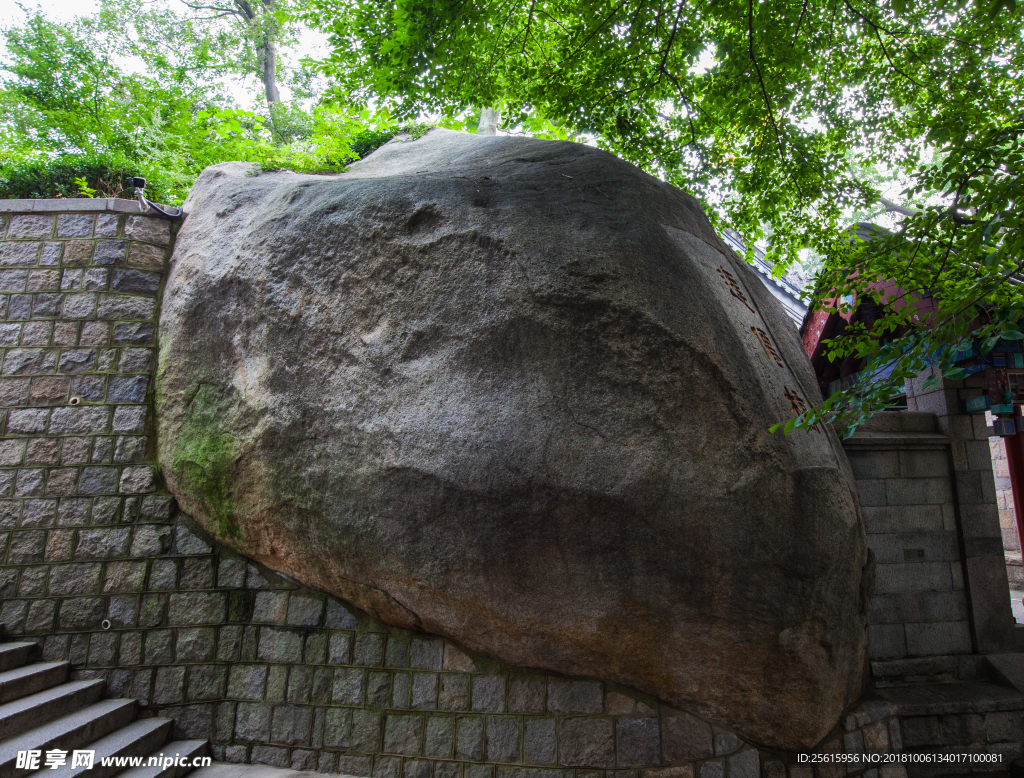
{"points": [[517, 393]]}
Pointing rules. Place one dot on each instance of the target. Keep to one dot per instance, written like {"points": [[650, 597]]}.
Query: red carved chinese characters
{"points": [[798, 406], [734, 288], [767, 345]]}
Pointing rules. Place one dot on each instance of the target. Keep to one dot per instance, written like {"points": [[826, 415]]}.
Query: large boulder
{"points": [[517, 393]]}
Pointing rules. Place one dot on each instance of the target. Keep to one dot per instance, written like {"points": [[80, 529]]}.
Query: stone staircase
{"points": [[41, 710]]}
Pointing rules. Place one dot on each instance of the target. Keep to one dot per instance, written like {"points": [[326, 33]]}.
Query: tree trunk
{"points": [[490, 118], [269, 57]]}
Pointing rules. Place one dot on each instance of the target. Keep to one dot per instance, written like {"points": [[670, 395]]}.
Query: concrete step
{"points": [[15, 654], [41, 708], [1007, 669], [185, 750], [76, 730], [23, 681], [138, 739]]}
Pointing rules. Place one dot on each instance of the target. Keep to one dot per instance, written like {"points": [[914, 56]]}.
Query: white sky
{"points": [[311, 43]]}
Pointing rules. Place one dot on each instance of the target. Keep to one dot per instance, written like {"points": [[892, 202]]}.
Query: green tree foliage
{"points": [[139, 89], [767, 111]]}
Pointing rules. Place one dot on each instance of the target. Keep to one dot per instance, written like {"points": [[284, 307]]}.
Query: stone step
{"points": [[75, 730], [184, 749], [23, 681], [40, 708], [1007, 669], [140, 738], [943, 699], [15, 654]]}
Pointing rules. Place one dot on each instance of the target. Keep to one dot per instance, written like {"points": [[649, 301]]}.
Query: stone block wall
{"points": [[1004, 494], [919, 608], [97, 564]]}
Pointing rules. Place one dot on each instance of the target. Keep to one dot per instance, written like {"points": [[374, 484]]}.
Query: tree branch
{"points": [[760, 77]]}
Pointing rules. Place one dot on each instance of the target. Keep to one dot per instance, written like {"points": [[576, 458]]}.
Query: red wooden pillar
{"points": [[1015, 463]]}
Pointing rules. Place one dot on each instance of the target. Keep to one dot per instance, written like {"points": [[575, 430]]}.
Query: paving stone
{"points": [[339, 617], [129, 419], [338, 650], [28, 484], [81, 613], [402, 734], [151, 540], [539, 741], [637, 742], [38, 513], [686, 738], [98, 480], [585, 742], [488, 693], [469, 732], [416, 768], [135, 281], [439, 738], [526, 694], [123, 610], [366, 731], [401, 690], [151, 230], [247, 682], [387, 767], [195, 644], [315, 652], [396, 651], [21, 253], [106, 543], [378, 689], [502, 739], [292, 725], [714, 768], [124, 577], [456, 660], [197, 608], [575, 696], [426, 653], [354, 765], [349, 685], [196, 573], [280, 645], [77, 578], [13, 614], [110, 252], [33, 581], [369, 649], [277, 682], [454, 692], [75, 225], [102, 649], [146, 257], [188, 543], [133, 333], [424, 691], [252, 722], [40, 617], [80, 306], [270, 607], [338, 728]]}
